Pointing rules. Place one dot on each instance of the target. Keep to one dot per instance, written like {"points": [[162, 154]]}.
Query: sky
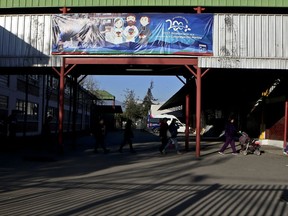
{"points": [[164, 86]]}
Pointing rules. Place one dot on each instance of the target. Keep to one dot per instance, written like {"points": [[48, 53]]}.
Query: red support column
{"points": [[61, 97], [61, 106], [199, 9], [64, 10], [187, 120], [285, 126], [198, 111], [198, 100]]}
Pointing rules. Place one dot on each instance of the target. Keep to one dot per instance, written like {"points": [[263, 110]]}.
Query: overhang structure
{"points": [[240, 41], [188, 63]]}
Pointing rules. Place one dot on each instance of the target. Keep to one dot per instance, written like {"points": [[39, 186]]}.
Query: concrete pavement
{"points": [[146, 183]]}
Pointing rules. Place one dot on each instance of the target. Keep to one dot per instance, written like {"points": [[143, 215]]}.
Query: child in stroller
{"points": [[249, 145]]}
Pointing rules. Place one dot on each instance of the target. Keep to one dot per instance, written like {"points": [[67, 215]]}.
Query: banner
{"points": [[132, 34]]}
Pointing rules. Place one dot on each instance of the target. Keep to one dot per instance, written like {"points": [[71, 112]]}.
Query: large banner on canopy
{"points": [[132, 34]]}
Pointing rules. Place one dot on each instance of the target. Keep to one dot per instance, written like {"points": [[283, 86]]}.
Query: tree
{"points": [[132, 108], [148, 100], [92, 86], [89, 83]]}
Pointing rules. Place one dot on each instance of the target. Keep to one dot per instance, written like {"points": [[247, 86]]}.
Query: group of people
{"points": [[100, 134], [168, 136]]}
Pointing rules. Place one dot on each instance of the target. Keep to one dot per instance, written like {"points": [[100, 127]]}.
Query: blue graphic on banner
{"points": [[139, 33]]}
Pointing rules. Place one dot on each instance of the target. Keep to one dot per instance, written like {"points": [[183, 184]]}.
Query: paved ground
{"points": [[80, 182]]}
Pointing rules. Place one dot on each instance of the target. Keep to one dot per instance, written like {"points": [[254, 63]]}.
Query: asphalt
{"points": [[79, 182]]}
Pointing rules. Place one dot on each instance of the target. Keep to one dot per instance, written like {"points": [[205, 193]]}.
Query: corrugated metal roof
{"points": [[250, 35], [116, 3], [239, 41], [252, 63], [248, 41], [27, 41], [104, 95]]}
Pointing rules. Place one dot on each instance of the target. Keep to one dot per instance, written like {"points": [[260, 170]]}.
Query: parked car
{"points": [[154, 123]]}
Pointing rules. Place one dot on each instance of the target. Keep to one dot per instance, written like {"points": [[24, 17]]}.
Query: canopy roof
{"points": [[104, 95], [231, 88], [123, 3]]}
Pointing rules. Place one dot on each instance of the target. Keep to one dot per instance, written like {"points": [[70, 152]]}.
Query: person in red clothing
{"points": [[230, 134]]}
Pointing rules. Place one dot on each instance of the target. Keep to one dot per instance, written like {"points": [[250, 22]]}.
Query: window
{"points": [[32, 79], [67, 89], [3, 102], [32, 109], [52, 111], [52, 82], [4, 80]]}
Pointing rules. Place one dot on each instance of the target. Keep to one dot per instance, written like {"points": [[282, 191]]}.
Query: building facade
{"points": [[246, 36], [35, 97]]}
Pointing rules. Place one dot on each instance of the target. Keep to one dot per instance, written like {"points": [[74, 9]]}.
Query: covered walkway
{"points": [[146, 183]]}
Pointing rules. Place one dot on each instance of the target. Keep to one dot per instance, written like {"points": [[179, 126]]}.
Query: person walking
{"points": [[128, 136], [173, 128], [163, 134], [46, 132], [100, 134], [12, 126], [230, 133]]}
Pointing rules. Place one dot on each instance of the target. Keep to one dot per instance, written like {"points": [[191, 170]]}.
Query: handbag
{"points": [[168, 134]]}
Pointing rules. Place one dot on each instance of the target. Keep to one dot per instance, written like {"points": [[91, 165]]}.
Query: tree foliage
{"points": [[134, 109], [148, 100], [131, 105], [89, 83]]}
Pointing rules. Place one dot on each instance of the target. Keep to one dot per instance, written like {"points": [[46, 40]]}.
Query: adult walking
{"points": [[163, 134], [128, 136], [12, 126], [100, 134], [46, 133], [230, 134]]}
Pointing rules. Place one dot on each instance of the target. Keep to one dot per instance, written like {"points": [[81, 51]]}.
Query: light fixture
{"points": [[139, 69]]}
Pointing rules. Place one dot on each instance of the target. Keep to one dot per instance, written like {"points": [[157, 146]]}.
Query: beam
{"points": [[187, 121], [285, 127], [198, 111], [61, 107], [132, 61]]}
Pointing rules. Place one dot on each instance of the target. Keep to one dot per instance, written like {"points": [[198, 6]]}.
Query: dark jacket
{"points": [[128, 132], [230, 130], [163, 129], [173, 128], [100, 130]]}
